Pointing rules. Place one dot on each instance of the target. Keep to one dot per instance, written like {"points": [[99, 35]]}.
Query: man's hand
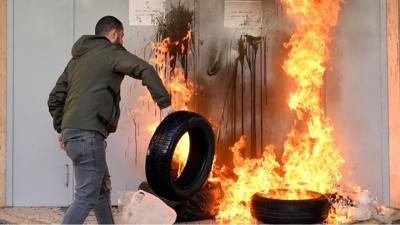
{"points": [[166, 111], [61, 142]]}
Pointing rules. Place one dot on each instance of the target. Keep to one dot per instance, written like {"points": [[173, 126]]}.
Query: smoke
{"points": [[267, 119]]}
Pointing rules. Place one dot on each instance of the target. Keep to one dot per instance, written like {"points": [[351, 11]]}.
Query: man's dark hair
{"points": [[106, 24]]}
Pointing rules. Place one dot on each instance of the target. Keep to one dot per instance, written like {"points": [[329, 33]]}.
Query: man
{"points": [[84, 105]]}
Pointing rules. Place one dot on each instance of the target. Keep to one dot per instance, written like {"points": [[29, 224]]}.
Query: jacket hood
{"points": [[86, 43]]}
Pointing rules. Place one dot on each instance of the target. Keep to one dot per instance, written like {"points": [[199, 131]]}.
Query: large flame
{"points": [[182, 91], [310, 160], [253, 175]]}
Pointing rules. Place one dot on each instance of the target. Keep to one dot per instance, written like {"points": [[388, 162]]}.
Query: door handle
{"points": [[66, 175]]}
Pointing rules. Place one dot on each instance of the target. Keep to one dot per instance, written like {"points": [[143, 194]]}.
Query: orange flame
{"points": [[310, 160], [181, 90], [188, 37], [253, 175]]}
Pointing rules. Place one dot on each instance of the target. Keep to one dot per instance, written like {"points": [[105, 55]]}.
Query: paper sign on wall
{"points": [[237, 12], [145, 12]]}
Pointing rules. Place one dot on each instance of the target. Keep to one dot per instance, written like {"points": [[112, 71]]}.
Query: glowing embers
{"points": [[287, 194]]}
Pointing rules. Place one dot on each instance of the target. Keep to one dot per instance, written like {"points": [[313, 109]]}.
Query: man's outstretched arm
{"points": [[133, 66]]}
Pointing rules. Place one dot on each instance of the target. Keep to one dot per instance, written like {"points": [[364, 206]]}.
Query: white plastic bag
{"points": [[144, 208]]}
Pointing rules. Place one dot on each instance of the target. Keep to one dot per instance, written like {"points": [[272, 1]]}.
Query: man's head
{"points": [[111, 28]]}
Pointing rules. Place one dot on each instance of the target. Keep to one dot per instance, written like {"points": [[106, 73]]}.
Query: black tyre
{"points": [[161, 150], [276, 211]]}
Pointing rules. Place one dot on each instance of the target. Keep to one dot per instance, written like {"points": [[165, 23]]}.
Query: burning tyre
{"points": [[268, 208], [161, 150]]}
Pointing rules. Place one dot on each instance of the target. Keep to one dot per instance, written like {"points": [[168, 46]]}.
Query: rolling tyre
{"points": [[161, 150]]}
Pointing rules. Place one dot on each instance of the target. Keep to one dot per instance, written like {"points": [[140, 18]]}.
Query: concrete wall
{"points": [[356, 95]]}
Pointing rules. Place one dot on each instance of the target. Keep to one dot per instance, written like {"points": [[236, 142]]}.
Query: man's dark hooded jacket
{"points": [[87, 94]]}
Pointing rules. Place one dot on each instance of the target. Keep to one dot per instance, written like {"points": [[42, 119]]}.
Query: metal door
{"points": [[42, 36]]}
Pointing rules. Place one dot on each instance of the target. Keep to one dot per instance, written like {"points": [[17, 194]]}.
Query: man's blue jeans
{"points": [[92, 187]]}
